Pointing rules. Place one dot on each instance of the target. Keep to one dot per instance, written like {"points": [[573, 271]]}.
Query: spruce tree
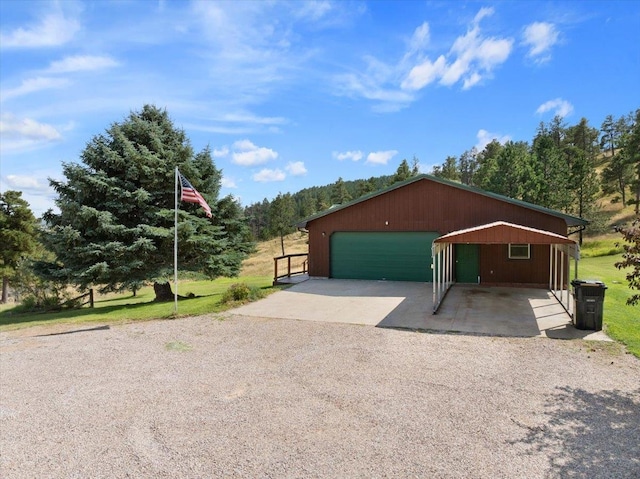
{"points": [[17, 235], [115, 228]]}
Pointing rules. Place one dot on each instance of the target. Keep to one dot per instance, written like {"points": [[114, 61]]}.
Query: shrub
{"points": [[241, 292], [236, 292]]}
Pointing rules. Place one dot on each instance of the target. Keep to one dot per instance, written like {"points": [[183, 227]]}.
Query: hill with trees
{"points": [[569, 168]]}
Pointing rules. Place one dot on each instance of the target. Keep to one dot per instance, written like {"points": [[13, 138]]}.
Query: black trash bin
{"points": [[588, 302]]}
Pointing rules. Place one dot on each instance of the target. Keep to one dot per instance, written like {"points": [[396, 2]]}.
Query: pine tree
{"points": [[513, 169], [581, 150], [550, 173], [339, 193], [487, 164], [281, 216], [468, 166], [116, 221], [403, 173], [448, 170], [17, 235], [631, 146]]}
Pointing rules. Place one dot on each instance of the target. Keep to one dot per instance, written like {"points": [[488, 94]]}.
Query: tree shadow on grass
{"points": [[10, 316], [590, 435]]}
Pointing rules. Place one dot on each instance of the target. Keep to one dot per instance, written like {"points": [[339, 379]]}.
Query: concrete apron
{"points": [[471, 309]]}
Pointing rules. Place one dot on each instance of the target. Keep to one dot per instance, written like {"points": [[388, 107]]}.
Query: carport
{"points": [[561, 249]]}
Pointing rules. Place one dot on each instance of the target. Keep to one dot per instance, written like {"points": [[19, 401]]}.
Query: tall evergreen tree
{"points": [[367, 186], [17, 235], [513, 168], [631, 146], [339, 193], [115, 226], [487, 164], [550, 173], [581, 150], [468, 165], [402, 173], [281, 216], [448, 170]]}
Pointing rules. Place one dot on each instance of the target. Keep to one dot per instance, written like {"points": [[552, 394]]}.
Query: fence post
{"points": [[275, 266], [289, 267], [91, 298]]}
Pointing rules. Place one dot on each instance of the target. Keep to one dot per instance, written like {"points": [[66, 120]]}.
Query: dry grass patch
{"points": [[261, 262]]}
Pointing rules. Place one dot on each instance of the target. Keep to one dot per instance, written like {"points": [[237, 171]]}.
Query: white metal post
{"points": [[175, 247]]}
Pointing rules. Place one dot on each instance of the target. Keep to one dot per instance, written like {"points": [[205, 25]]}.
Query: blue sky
{"points": [[296, 94]]}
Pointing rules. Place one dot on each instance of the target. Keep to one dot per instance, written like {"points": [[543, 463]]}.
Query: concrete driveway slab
{"points": [[517, 312]]}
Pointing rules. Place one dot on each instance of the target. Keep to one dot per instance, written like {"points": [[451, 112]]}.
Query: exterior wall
{"points": [[496, 267], [423, 205]]}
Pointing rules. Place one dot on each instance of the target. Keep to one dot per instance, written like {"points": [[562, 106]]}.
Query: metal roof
{"points": [[570, 220]]}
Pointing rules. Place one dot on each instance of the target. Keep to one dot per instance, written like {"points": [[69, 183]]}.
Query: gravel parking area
{"points": [[268, 398]]}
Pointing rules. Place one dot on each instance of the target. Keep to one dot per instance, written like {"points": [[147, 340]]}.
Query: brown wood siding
{"points": [[496, 267], [424, 205]]}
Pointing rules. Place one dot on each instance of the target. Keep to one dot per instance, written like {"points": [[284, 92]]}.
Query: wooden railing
{"points": [[298, 267]]}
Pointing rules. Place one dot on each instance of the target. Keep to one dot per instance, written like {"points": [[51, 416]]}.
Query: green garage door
{"points": [[398, 256]]}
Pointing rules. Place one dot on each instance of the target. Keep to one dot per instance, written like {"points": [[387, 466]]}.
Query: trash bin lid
{"points": [[588, 283]]}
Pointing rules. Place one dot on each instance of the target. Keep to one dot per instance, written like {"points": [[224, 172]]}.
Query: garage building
{"points": [[394, 234]]}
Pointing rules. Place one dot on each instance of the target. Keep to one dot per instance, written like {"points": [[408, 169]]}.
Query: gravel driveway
{"points": [[267, 398]]}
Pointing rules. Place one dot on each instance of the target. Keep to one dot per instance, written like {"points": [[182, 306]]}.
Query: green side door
{"points": [[467, 263], [395, 256]]}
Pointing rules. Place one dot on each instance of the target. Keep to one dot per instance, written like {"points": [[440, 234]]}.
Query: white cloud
{"points": [[254, 119], [227, 182], [24, 182], [420, 39], [559, 106], [296, 168], [381, 157], [247, 154], [485, 137], [221, 153], [17, 134], [540, 37], [424, 74], [355, 155], [81, 63], [26, 127], [314, 11], [53, 30], [266, 175], [32, 85], [471, 59], [475, 56], [256, 42]]}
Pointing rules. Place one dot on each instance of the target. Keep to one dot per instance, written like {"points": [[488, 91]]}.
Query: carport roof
{"points": [[502, 232]]}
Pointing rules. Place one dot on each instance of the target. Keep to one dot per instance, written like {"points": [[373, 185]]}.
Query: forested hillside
{"points": [[570, 168]]}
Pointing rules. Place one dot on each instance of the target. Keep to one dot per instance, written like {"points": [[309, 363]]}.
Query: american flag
{"points": [[189, 194]]}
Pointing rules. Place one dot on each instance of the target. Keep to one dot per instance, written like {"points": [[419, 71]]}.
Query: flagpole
{"points": [[175, 248]]}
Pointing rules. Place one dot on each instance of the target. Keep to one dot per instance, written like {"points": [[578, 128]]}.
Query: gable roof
{"points": [[501, 232], [570, 220]]}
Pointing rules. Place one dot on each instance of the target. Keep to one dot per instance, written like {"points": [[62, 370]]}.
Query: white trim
{"points": [[513, 256]]}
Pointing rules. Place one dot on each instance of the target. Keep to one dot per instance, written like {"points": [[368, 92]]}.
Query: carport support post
{"points": [[551, 267], [561, 275], [568, 264]]}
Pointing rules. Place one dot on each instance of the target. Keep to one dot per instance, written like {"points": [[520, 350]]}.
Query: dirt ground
{"points": [[232, 396]]}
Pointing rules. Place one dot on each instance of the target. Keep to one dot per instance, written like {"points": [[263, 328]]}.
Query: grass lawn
{"points": [[621, 322], [125, 307]]}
